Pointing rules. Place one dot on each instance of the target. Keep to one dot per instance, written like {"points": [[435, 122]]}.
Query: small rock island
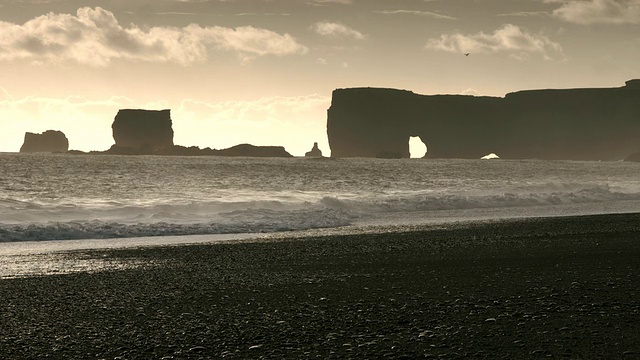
{"points": [[314, 152], [48, 141], [150, 132], [146, 131]]}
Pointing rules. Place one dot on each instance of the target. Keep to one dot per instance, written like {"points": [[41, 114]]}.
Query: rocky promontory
{"points": [[48, 141], [568, 124], [254, 151], [246, 150], [150, 132]]}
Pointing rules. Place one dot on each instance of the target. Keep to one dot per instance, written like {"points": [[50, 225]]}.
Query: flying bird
{"points": [[466, 54]]}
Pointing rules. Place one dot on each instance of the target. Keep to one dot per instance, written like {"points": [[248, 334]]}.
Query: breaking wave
{"points": [[433, 201], [23, 220]]}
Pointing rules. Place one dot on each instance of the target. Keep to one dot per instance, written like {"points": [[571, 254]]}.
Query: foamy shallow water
{"points": [[396, 221], [42, 258], [53, 246], [61, 197]]}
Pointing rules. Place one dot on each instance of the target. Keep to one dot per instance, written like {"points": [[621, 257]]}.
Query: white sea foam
{"points": [[258, 222], [119, 197], [78, 222]]}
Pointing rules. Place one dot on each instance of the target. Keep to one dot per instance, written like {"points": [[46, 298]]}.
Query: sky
{"points": [[262, 71]]}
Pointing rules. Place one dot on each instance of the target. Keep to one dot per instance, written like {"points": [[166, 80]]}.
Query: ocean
{"points": [[88, 197]]}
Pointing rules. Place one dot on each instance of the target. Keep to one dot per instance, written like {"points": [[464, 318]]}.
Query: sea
{"points": [[91, 198]]}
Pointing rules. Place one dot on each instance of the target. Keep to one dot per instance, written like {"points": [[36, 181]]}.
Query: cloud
{"points": [[526, 13], [265, 109], [415, 12], [95, 37], [326, 2], [35, 2], [325, 28], [599, 11], [510, 39], [263, 14], [4, 95]]}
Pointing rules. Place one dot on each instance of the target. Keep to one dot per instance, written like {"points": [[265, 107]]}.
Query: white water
{"points": [[49, 196]]}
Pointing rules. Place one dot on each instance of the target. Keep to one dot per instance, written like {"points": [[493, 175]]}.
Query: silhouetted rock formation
{"points": [[633, 84], [314, 152], [48, 141], [254, 151], [123, 150], [575, 124], [141, 131], [187, 151], [149, 132], [238, 150], [177, 150]]}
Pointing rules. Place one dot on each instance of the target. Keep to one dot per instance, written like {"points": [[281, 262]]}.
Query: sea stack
{"points": [[48, 141], [142, 131], [314, 152], [557, 124]]}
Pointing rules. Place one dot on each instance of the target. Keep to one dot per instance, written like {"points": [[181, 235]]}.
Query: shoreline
{"points": [[523, 288], [394, 223]]}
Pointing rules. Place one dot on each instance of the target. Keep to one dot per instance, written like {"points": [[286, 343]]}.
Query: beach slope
{"points": [[553, 287]]}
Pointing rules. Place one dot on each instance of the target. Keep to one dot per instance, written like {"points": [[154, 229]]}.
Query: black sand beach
{"points": [[536, 288]]}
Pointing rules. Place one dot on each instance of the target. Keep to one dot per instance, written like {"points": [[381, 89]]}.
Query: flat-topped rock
{"points": [[142, 131], [566, 124], [633, 84], [48, 141]]}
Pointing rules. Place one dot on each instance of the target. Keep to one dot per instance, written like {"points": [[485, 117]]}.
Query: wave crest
{"points": [[116, 220]]}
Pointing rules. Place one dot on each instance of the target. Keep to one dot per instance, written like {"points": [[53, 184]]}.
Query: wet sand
{"points": [[535, 288]]}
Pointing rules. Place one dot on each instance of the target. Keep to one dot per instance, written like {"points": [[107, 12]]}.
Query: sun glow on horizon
{"points": [[87, 122], [417, 148]]}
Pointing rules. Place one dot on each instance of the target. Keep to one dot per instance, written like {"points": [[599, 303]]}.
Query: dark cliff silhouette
{"points": [[573, 124], [150, 132], [254, 151], [147, 130], [247, 150], [48, 141], [314, 152]]}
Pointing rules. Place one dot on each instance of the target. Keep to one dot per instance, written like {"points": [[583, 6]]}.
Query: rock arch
{"points": [[572, 124]]}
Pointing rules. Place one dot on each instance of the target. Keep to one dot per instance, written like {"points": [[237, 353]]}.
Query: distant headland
{"points": [[555, 124], [572, 124], [150, 132]]}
